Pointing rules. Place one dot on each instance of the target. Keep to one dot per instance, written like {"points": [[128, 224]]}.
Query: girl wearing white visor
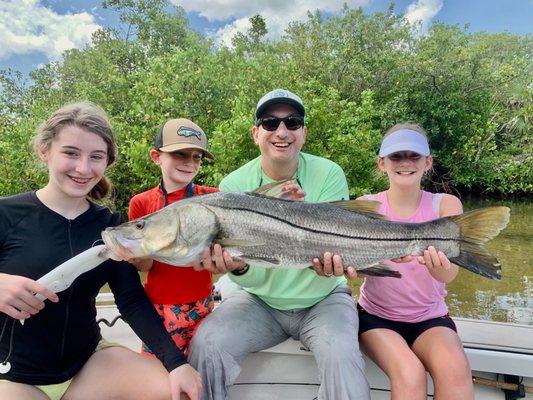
{"points": [[404, 324]]}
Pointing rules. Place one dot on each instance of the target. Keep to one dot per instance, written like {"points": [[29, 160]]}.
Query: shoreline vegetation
{"points": [[357, 74]]}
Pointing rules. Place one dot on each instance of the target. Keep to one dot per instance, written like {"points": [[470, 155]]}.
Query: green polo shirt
{"points": [[285, 289]]}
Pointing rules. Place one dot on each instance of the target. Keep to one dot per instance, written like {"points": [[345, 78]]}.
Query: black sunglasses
{"points": [[292, 122]]}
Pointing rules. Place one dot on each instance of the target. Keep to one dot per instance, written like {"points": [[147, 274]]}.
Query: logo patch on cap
{"points": [[279, 93], [188, 132]]}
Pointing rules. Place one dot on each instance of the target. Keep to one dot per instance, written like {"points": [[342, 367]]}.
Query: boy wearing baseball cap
{"points": [[181, 295]]}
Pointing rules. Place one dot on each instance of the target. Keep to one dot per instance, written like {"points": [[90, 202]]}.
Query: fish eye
{"points": [[140, 224]]}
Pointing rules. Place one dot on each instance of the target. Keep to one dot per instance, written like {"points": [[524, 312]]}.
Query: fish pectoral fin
{"points": [[273, 189], [236, 243], [261, 259], [379, 269], [367, 207]]}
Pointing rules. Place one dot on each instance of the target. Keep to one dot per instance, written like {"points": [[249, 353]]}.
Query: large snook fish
{"points": [[276, 233]]}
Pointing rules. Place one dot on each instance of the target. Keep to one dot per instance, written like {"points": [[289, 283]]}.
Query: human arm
{"points": [[17, 293], [436, 261], [140, 314]]}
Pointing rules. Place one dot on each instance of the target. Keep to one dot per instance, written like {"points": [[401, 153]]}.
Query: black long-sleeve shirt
{"points": [[53, 345]]}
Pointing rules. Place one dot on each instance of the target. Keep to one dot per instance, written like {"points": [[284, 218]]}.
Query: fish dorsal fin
{"points": [[367, 207], [274, 189]]}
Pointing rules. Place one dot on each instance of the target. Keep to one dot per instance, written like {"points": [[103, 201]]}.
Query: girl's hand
{"points": [[333, 265], [436, 262], [185, 380], [434, 259], [17, 296], [438, 265]]}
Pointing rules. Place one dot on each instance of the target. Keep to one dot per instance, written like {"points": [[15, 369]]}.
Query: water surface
{"points": [[511, 299]]}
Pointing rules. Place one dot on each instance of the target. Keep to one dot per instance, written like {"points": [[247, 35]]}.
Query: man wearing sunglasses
{"points": [[313, 306]]}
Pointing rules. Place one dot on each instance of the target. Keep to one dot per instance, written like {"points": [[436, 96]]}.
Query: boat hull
{"points": [[289, 371]]}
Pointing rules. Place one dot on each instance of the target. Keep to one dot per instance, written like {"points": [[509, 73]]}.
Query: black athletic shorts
{"points": [[410, 331]]}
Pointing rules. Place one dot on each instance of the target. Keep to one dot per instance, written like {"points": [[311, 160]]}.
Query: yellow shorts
{"points": [[57, 390]]}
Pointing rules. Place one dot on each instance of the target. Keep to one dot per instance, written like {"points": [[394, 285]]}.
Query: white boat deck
{"points": [[287, 371]]}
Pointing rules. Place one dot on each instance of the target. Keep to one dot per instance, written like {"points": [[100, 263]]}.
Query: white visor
{"points": [[404, 140]]}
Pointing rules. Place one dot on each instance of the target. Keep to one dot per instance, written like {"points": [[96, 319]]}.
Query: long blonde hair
{"points": [[87, 116]]}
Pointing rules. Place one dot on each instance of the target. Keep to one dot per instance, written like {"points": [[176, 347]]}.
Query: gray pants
{"points": [[244, 324]]}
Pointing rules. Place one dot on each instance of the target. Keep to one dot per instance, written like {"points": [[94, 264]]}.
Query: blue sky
{"points": [[34, 32]]}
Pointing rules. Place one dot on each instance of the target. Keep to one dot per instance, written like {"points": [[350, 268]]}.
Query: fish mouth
{"points": [[108, 239], [114, 246]]}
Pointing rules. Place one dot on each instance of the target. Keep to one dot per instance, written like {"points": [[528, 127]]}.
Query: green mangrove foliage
{"points": [[357, 74]]}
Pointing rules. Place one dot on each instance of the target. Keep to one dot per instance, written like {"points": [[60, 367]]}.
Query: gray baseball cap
{"points": [[277, 96]]}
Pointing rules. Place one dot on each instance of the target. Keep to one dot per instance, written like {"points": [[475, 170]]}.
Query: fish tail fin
{"points": [[379, 269], [477, 228]]}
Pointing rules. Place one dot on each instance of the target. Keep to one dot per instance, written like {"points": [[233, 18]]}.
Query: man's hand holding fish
{"points": [[218, 261], [333, 266]]}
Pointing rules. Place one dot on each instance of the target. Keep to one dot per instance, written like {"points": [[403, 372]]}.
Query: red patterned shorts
{"points": [[181, 321]]}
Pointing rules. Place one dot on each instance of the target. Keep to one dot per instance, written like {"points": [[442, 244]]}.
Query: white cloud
{"points": [[422, 12], [26, 27], [277, 13], [224, 35]]}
